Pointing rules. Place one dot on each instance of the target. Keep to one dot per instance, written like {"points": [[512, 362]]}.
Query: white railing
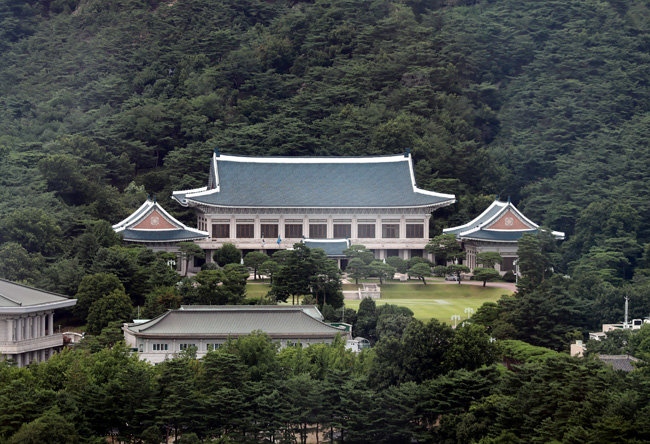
{"points": [[27, 345]]}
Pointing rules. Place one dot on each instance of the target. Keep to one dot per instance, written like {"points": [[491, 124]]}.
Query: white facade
{"points": [[400, 233]]}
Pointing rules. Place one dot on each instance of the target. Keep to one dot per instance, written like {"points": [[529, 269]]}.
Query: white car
{"points": [[451, 277]]}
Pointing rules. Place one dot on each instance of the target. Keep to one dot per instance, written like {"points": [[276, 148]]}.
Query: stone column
{"points": [[280, 229], [305, 226], [10, 330], [354, 228], [257, 228], [330, 227], [51, 315], [402, 227], [43, 332]]}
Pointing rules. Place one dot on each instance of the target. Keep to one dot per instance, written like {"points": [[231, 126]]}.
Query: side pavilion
{"points": [[496, 229]]}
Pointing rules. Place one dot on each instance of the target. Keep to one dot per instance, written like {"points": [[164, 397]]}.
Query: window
{"points": [[270, 231], [186, 346], [221, 231], [212, 347], [508, 264], [317, 231], [415, 231], [366, 231], [417, 252], [390, 231], [245, 231], [140, 348], [160, 347], [293, 230], [342, 231], [294, 344], [390, 253]]}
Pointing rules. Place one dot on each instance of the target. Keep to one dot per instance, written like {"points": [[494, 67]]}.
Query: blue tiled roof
{"points": [[499, 236], [160, 235], [484, 217], [478, 228], [130, 233], [314, 182], [332, 247]]}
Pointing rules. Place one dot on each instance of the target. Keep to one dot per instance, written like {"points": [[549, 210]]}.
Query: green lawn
{"points": [[256, 290], [439, 301]]}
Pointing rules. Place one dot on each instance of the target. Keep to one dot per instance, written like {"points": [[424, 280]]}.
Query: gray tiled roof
{"points": [[374, 182], [311, 310], [332, 247], [13, 295], [234, 322], [619, 362]]}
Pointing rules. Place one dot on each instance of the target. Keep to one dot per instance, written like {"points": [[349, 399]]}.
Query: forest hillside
{"points": [[103, 102]]}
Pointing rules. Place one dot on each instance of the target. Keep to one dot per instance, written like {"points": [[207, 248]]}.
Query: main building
{"points": [[270, 203]]}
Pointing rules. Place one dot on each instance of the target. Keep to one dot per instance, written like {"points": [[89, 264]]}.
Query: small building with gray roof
{"points": [[27, 322], [207, 327]]}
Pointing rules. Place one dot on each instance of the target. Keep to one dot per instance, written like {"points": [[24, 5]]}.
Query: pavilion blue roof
{"points": [[484, 227], [312, 182], [332, 247], [138, 227]]}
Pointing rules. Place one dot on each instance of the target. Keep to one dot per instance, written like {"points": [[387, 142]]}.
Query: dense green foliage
{"points": [[103, 102], [246, 391]]}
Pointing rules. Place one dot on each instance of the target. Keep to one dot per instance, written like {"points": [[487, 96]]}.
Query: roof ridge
{"points": [[20, 304], [35, 289]]}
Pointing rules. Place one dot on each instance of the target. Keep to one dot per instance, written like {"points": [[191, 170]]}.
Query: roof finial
{"points": [[498, 197], [148, 196], [216, 151], [153, 197], [508, 198], [407, 152]]}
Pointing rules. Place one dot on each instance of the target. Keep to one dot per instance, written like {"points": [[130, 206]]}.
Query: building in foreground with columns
{"points": [[270, 203], [496, 229], [27, 331]]}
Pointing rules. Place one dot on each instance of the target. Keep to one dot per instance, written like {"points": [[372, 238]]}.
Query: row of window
{"points": [[317, 231], [209, 347]]}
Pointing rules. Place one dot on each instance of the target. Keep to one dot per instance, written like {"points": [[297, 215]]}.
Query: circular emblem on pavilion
{"points": [[509, 221], [155, 221]]}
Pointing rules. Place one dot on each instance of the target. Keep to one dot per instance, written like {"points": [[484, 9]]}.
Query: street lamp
{"points": [[469, 311], [455, 318]]}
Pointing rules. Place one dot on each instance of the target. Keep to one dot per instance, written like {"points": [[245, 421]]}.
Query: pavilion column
{"points": [[402, 227], [305, 227], [257, 228], [51, 315], [426, 227], [10, 330], [330, 227], [43, 332], [233, 227], [280, 228], [354, 228]]}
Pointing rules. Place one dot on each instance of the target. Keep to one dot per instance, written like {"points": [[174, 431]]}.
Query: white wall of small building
{"points": [[145, 346]]}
